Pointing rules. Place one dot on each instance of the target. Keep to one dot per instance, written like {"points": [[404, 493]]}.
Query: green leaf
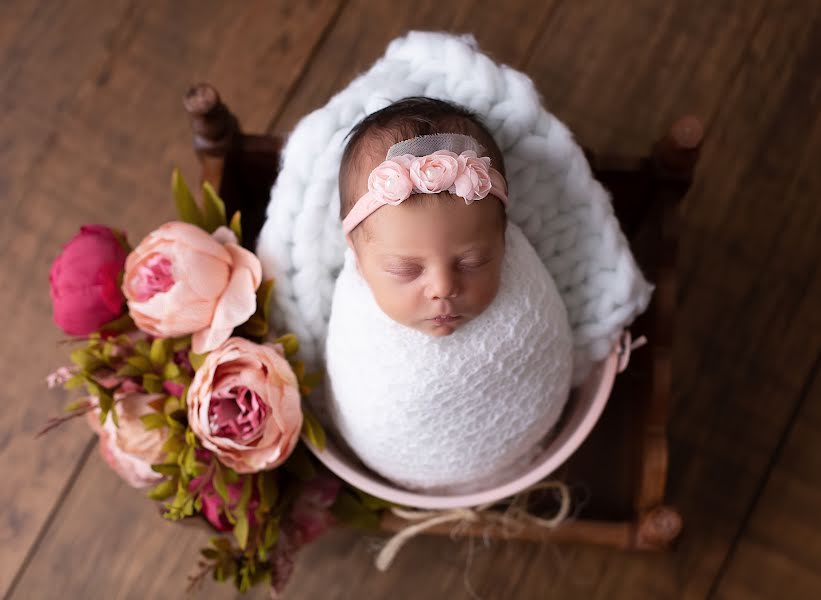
{"points": [[141, 363], [271, 533], [170, 371], [163, 490], [106, 401], [142, 347], [256, 327], [373, 503], [290, 343], [245, 496], [169, 469], [85, 360], [158, 355], [221, 543], [349, 510], [75, 382], [171, 405], [210, 553], [219, 484], [241, 531], [267, 488], [153, 421], [173, 445], [236, 226], [214, 216], [152, 383], [196, 359], [264, 293], [179, 344], [231, 476], [312, 430], [120, 324], [128, 371], [187, 209]]}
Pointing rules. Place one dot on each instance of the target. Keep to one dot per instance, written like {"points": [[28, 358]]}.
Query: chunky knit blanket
{"points": [[453, 413], [564, 212]]}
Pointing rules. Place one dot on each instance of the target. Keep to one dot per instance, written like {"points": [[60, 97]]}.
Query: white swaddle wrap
{"points": [[450, 413]]}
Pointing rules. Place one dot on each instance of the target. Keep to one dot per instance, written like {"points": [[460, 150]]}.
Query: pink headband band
{"points": [[428, 164]]}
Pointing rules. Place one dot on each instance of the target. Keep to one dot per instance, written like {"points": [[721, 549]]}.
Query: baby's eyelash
{"points": [[404, 272]]}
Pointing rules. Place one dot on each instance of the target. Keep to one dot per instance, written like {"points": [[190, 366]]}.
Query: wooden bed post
{"points": [[241, 167]]}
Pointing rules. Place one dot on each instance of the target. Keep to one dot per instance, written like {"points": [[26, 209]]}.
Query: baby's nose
{"points": [[443, 285]]}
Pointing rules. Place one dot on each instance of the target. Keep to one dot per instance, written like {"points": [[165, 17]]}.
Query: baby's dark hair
{"points": [[402, 120]]}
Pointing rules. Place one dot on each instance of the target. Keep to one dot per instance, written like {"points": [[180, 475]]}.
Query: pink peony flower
{"points": [[130, 449], [473, 179], [181, 281], [213, 505], [85, 292], [390, 182], [244, 406], [434, 173]]}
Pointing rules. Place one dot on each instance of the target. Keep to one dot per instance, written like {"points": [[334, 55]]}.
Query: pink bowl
{"points": [[582, 412]]}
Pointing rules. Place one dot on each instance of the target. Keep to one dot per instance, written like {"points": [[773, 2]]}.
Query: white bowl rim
{"points": [[372, 484]]}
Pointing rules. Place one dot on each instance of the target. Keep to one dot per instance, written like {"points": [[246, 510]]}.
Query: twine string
{"points": [[514, 517]]}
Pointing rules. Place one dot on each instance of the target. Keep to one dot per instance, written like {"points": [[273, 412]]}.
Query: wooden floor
{"points": [[91, 125]]}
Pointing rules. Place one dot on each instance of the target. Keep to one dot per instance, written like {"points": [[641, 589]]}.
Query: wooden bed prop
{"points": [[623, 464]]}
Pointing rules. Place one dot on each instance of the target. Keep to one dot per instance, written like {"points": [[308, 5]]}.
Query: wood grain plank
{"points": [[779, 551], [92, 104], [32, 100], [619, 74], [355, 42]]}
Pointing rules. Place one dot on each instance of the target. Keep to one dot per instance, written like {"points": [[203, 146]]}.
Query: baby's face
{"points": [[433, 265]]}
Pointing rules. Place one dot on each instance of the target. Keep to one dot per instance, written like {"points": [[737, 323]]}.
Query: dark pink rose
{"points": [[213, 504], [311, 515], [85, 292]]}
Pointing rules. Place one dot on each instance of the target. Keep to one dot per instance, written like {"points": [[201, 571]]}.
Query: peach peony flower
{"points": [[390, 182], [181, 281], [473, 179], [130, 449], [435, 172], [244, 406]]}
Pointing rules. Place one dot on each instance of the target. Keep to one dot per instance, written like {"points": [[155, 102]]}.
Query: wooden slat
{"points": [[92, 104], [779, 552], [33, 102], [366, 27]]}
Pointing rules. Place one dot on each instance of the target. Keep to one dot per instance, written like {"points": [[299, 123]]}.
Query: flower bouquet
{"points": [[191, 394]]}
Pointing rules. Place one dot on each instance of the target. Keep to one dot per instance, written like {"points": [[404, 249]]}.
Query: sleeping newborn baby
{"points": [[449, 350]]}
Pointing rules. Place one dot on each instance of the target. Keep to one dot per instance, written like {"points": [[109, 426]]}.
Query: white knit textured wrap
{"points": [[454, 413], [564, 212]]}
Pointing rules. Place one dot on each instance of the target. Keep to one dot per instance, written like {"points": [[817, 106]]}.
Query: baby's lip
{"points": [[446, 317]]}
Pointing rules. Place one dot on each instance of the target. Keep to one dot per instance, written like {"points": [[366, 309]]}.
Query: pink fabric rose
{"points": [[434, 173], [390, 182], [130, 449], [244, 406], [181, 281], [473, 179], [85, 292], [213, 505]]}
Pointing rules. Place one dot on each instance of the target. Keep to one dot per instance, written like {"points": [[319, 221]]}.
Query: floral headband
{"points": [[428, 164]]}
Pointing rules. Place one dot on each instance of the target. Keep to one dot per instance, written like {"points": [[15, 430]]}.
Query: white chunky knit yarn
{"points": [[563, 211], [451, 413]]}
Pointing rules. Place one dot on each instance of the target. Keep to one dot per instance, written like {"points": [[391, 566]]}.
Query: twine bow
{"points": [[515, 515]]}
